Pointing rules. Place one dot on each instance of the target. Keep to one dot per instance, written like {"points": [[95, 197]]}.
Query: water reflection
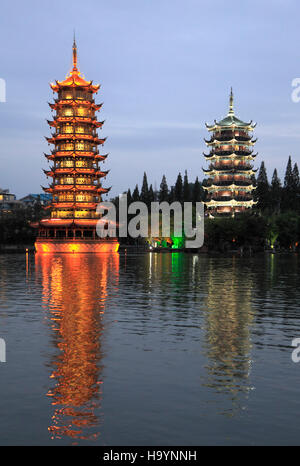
{"points": [[75, 293], [229, 316], [213, 303]]}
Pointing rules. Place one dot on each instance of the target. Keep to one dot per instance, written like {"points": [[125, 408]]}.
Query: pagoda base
{"points": [[64, 246]]}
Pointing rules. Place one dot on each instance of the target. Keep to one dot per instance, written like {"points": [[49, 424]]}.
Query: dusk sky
{"points": [[165, 68]]}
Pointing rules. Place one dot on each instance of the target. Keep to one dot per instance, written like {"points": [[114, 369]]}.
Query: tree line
{"points": [[272, 197], [182, 191], [276, 197], [274, 222]]}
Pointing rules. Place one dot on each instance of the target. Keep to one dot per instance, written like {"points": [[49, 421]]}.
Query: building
{"points": [[76, 187], [8, 202], [229, 184], [32, 199]]}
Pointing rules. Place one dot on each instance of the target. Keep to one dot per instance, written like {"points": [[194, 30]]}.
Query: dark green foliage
{"points": [[151, 195], [136, 194], [144, 197], [178, 190], [186, 193], [197, 191], [164, 190], [262, 192], [15, 226], [275, 192], [233, 232]]}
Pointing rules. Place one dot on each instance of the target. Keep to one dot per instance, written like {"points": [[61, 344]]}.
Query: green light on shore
{"points": [[178, 242]]}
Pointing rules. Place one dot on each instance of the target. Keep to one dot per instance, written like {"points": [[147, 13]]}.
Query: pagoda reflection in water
{"points": [[217, 294], [74, 296], [229, 318]]}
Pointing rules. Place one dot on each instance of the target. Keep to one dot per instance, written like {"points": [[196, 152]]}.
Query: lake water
{"points": [[150, 349]]}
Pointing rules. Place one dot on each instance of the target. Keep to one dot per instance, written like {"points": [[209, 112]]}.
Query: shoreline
{"points": [[130, 249]]}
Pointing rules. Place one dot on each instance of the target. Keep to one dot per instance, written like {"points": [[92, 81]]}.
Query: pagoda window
{"points": [[80, 129], [83, 145], [64, 213], [79, 145], [84, 197], [67, 111], [84, 164], [66, 129], [82, 111], [67, 180], [66, 94], [83, 180], [82, 213], [67, 163], [66, 146], [82, 95], [66, 197]]}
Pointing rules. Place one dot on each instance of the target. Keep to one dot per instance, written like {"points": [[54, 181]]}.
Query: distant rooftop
{"points": [[37, 197]]}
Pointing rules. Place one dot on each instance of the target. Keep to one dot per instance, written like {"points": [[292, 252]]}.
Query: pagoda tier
{"points": [[55, 155], [76, 175], [74, 121], [229, 185], [75, 171]]}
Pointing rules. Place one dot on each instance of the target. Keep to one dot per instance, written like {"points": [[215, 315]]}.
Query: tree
{"points": [[289, 195], [288, 177], [262, 191], [197, 191], [129, 197], [136, 194], [144, 197], [296, 188], [151, 195], [164, 190], [178, 190], [186, 188], [276, 191], [172, 194]]}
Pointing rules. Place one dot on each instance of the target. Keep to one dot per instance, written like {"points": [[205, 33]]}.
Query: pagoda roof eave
{"points": [[216, 142], [74, 79], [230, 121], [233, 154]]}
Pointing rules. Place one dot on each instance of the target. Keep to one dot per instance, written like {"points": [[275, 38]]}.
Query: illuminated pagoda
{"points": [[76, 186], [229, 184]]}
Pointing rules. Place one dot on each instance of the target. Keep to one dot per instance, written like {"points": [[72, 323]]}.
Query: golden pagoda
{"points": [[229, 185], [76, 186]]}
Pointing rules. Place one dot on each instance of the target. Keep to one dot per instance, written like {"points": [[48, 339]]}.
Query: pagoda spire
{"points": [[231, 111], [74, 54]]}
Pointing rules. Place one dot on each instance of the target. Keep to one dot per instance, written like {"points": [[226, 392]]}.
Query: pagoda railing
{"points": [[229, 182], [222, 198], [230, 198], [231, 137], [222, 167]]}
